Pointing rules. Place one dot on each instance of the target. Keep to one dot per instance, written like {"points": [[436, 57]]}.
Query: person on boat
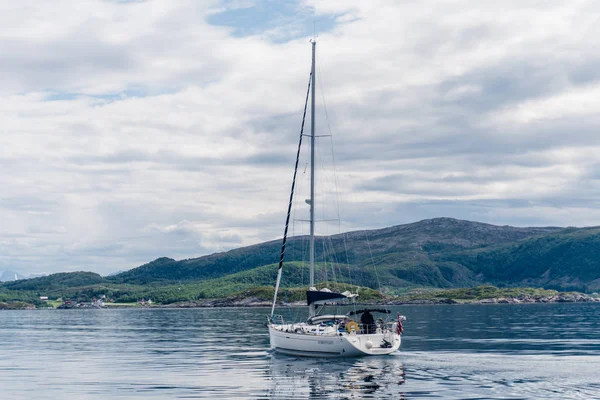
{"points": [[343, 323], [368, 322]]}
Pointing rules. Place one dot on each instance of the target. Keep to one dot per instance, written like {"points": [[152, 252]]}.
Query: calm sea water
{"points": [[546, 351]]}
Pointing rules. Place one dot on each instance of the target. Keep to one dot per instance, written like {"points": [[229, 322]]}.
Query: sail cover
{"points": [[325, 296], [377, 310]]}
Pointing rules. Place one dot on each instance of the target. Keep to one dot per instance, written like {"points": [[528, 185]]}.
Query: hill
{"points": [[56, 281], [564, 260], [401, 251], [440, 252]]}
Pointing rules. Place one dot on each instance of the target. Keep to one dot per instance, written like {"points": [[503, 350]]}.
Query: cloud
{"points": [[133, 130]]}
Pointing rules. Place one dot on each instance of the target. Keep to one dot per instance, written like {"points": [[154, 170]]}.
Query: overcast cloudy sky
{"points": [[131, 130]]}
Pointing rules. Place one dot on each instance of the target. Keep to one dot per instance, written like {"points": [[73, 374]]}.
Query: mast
{"points": [[311, 311]]}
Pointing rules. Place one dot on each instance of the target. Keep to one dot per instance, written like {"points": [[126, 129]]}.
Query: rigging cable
{"points": [[335, 180], [287, 219], [374, 266]]}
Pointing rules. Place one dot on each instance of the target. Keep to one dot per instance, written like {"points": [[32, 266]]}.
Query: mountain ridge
{"points": [[439, 252]]}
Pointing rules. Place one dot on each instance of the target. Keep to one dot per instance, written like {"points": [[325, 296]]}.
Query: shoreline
{"points": [[416, 302], [257, 302], [250, 302]]}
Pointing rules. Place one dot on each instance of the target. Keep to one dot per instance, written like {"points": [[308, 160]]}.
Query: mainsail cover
{"points": [[324, 296]]}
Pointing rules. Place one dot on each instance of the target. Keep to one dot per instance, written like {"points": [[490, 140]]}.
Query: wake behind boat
{"points": [[328, 335]]}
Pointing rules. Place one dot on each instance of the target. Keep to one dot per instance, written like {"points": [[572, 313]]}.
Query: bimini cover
{"points": [[325, 295]]}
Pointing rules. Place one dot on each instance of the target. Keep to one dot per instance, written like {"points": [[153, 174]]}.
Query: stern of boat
{"points": [[375, 344]]}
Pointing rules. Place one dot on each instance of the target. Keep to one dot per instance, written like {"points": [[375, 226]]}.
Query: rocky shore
{"points": [[17, 305], [478, 295], [521, 299], [226, 302]]}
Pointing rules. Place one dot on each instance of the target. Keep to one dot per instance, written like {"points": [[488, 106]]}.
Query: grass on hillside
{"points": [[122, 305], [53, 303]]}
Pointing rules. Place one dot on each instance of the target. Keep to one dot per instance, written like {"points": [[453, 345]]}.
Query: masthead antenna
{"points": [[315, 36]]}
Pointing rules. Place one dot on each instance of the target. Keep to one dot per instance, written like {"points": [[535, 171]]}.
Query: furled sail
{"points": [[325, 296]]}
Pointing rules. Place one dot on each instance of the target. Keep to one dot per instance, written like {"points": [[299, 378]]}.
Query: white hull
{"points": [[331, 345]]}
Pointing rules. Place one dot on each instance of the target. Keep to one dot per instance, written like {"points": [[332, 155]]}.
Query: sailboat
{"points": [[327, 335]]}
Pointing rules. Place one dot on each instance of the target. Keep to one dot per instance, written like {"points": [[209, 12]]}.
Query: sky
{"points": [[131, 130]]}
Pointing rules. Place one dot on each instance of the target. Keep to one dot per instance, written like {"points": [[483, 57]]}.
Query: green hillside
{"points": [[441, 252], [567, 260], [402, 251], [257, 282], [56, 281]]}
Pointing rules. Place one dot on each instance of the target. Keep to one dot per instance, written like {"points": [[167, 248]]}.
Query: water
{"points": [[450, 352]]}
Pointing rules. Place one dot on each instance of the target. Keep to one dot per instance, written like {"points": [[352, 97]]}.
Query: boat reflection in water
{"points": [[355, 378]]}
